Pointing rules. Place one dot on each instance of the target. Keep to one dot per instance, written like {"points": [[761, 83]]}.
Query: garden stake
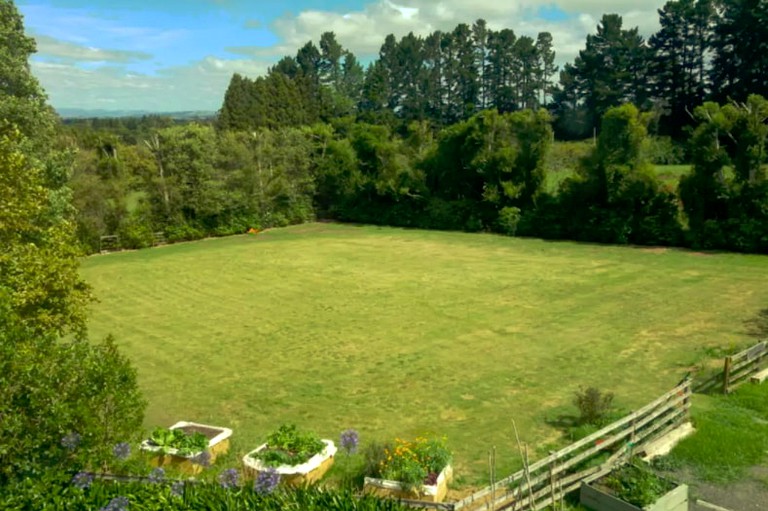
{"points": [[524, 456]]}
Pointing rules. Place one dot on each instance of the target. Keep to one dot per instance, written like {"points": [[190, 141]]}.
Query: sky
{"points": [[179, 55]]}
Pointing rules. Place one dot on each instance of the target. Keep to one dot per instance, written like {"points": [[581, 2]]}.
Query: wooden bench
{"points": [[760, 377]]}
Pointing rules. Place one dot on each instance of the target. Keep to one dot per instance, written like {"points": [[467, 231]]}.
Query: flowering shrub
{"points": [[229, 478], [157, 475], [266, 482], [349, 441], [122, 451], [416, 462]]}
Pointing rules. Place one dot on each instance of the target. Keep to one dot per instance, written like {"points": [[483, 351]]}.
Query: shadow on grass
{"points": [[758, 325]]}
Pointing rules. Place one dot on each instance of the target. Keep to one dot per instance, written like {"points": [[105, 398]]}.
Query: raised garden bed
{"points": [[298, 457], [310, 471], [189, 460], [394, 489], [634, 488]]}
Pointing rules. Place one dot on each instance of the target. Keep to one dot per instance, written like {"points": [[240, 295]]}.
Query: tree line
{"points": [[491, 172], [705, 50]]}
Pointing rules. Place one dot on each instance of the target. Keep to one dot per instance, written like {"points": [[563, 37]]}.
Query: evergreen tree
{"points": [[680, 51], [740, 65], [480, 35], [329, 64], [501, 72], [237, 111], [546, 66], [611, 70]]}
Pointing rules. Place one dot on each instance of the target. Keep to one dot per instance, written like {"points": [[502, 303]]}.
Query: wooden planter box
{"points": [[294, 475], [596, 499], [394, 489], [218, 443]]}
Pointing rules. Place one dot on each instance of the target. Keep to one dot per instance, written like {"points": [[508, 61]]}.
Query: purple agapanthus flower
{"points": [[204, 459], [349, 441], [157, 475], [122, 451], [177, 489], [71, 441], [229, 478], [82, 480], [267, 481], [117, 504]]}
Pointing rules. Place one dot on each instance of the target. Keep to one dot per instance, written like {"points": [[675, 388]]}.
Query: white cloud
{"points": [[201, 84], [198, 86], [72, 52]]}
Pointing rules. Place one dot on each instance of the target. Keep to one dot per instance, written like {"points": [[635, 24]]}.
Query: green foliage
{"points": [[637, 484], [55, 492], [727, 210], [289, 446], [593, 404], [22, 100], [375, 455], [38, 263], [731, 435], [509, 218], [184, 443], [413, 463], [50, 389]]}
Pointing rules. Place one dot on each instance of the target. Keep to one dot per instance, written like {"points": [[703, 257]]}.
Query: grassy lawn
{"points": [[732, 434], [403, 332]]}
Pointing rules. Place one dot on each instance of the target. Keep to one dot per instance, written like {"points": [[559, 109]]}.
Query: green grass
{"points": [[732, 434], [404, 332], [670, 174]]}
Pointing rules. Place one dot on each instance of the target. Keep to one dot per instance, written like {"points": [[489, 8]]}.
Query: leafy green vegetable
{"points": [[185, 444], [288, 446]]}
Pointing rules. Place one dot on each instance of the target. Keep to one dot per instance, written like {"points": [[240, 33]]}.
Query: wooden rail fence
{"points": [[739, 368], [548, 480]]}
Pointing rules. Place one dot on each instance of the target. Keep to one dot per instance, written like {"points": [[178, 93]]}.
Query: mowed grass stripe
{"points": [[403, 332]]}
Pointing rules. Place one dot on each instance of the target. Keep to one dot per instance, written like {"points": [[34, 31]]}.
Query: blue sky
{"points": [[172, 55]]}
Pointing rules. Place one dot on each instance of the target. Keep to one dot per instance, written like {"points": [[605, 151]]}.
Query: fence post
{"points": [[727, 375]]}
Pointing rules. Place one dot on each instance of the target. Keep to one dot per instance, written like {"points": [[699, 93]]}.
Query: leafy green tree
{"points": [[38, 263], [490, 162], [51, 388], [729, 211], [616, 197], [22, 100]]}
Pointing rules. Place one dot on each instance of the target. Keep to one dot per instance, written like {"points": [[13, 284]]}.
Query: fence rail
{"points": [[738, 368], [546, 481]]}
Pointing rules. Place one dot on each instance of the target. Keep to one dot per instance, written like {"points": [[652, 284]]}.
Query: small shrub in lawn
{"points": [[594, 405]]}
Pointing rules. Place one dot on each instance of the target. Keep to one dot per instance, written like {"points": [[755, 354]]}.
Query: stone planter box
{"points": [[218, 443], [597, 498], [294, 475], [394, 489]]}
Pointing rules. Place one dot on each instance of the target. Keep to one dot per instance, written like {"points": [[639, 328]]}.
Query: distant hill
{"points": [[82, 113]]}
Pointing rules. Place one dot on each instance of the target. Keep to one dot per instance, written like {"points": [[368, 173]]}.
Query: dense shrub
{"points": [[56, 492]]}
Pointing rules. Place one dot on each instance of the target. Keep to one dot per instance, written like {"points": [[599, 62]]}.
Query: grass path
{"points": [[402, 332]]}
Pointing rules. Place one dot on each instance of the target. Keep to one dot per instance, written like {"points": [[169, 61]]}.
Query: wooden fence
{"points": [[546, 481], [737, 369]]}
